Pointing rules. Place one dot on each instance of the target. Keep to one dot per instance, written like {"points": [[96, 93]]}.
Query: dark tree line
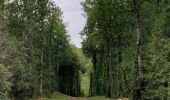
{"points": [[36, 58], [128, 42]]}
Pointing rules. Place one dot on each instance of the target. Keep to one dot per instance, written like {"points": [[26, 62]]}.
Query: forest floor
{"points": [[59, 96]]}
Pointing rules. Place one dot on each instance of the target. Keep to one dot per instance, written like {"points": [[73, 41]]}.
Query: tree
{"points": [[40, 40], [106, 30], [138, 71]]}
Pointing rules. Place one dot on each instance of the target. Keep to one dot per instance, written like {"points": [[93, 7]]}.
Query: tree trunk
{"points": [[56, 59], [42, 65], [41, 80], [138, 70], [109, 71], [93, 75]]}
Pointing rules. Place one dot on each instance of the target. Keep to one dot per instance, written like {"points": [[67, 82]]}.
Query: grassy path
{"points": [[89, 98], [78, 98], [59, 96]]}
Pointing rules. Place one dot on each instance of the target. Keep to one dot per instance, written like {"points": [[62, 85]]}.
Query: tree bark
{"points": [[41, 74], [138, 70]]}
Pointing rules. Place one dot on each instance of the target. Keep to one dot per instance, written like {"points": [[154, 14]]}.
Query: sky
{"points": [[72, 14]]}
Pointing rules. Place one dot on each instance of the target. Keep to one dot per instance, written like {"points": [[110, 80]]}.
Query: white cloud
{"points": [[72, 12]]}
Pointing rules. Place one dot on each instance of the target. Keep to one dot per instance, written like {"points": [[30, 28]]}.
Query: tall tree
{"points": [[138, 71]]}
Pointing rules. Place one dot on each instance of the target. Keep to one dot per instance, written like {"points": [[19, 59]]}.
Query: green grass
{"points": [[85, 84], [59, 96]]}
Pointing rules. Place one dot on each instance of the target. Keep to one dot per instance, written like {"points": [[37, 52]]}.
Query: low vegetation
{"points": [[59, 96]]}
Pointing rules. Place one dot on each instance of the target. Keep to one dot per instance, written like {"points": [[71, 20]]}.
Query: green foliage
{"points": [[107, 30], [85, 84], [157, 71], [37, 59], [110, 42], [36, 56], [4, 83]]}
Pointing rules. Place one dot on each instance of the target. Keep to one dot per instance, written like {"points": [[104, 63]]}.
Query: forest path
{"points": [[92, 98], [59, 96], [79, 98]]}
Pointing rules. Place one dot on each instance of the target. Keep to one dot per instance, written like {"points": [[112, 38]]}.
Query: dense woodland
{"points": [[126, 46], [128, 42], [36, 57]]}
